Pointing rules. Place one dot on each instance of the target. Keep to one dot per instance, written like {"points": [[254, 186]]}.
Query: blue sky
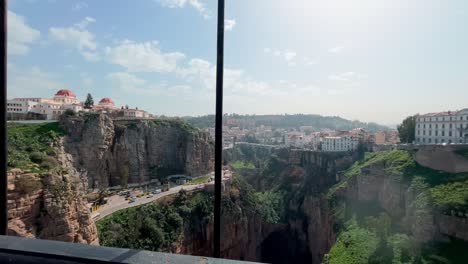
{"points": [[370, 60]]}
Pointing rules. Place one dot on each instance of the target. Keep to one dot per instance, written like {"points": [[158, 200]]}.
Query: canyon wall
{"points": [[398, 198], [114, 152], [308, 230], [50, 206]]}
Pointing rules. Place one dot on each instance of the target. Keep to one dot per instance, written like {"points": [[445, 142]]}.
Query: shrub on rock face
{"points": [[69, 112], [37, 157], [27, 184], [49, 163]]}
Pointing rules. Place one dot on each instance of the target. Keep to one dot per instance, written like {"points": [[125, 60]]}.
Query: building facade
{"points": [[340, 144], [444, 127]]}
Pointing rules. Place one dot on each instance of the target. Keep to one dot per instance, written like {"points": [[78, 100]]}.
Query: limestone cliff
{"points": [[391, 183], [115, 152], [306, 233], [50, 206]]}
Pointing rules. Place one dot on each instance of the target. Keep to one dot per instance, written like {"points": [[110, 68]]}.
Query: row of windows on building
{"points": [[11, 104], [436, 133], [443, 126], [430, 119], [14, 109], [436, 141]]}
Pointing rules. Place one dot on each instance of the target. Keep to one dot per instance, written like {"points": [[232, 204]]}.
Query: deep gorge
{"points": [[283, 206]]}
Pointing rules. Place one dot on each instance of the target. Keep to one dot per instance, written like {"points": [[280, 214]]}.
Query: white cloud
{"points": [[132, 84], [289, 56], [336, 49], [77, 37], [143, 57], [198, 5], [229, 24], [21, 83], [79, 5], [351, 78], [85, 22], [310, 62], [20, 35], [91, 56]]}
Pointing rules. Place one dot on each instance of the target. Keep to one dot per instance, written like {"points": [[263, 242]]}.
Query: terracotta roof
{"points": [[106, 101], [447, 113], [65, 92]]}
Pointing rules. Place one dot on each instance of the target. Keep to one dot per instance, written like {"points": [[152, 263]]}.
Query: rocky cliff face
{"points": [[113, 152], [305, 236], [398, 198], [48, 207]]}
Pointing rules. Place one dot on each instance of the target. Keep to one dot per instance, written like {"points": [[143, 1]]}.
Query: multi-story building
{"points": [[20, 106], [338, 144], [135, 113], [444, 127], [295, 139], [50, 107]]}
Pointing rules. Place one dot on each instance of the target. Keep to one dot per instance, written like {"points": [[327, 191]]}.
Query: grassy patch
{"points": [[446, 189], [199, 180], [176, 123], [450, 195], [239, 165], [30, 146]]}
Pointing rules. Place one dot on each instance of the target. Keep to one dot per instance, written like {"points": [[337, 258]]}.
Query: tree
{"points": [[89, 102], [406, 129]]}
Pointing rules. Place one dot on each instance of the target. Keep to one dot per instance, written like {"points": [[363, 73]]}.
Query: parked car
{"points": [[132, 200], [157, 191]]}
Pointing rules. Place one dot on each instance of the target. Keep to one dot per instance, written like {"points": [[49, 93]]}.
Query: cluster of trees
{"points": [[406, 130], [155, 227], [285, 121], [88, 104]]}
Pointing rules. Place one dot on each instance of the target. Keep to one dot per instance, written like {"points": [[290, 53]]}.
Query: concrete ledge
{"points": [[22, 250]]}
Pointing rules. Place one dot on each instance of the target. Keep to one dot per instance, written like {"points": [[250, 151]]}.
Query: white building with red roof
{"points": [[442, 127], [65, 99], [105, 104], [52, 108]]}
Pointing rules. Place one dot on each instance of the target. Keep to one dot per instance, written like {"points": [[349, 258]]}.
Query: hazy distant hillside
{"points": [[285, 121]]}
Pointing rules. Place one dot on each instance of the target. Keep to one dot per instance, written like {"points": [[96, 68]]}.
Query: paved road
{"points": [[116, 203]]}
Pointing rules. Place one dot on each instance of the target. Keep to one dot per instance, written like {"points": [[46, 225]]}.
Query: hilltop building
{"points": [[443, 127], [340, 143], [52, 108]]}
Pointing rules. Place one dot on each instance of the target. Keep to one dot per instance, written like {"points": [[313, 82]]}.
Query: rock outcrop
{"points": [[115, 152], [398, 199], [48, 207]]}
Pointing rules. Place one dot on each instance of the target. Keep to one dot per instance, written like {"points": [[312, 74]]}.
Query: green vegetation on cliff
{"points": [[445, 190], [156, 227], [30, 147], [366, 234]]}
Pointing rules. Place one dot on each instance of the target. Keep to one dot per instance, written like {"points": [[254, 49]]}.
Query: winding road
{"points": [[116, 202]]}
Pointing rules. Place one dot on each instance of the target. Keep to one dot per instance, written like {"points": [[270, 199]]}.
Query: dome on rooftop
{"points": [[106, 101], [65, 92]]}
